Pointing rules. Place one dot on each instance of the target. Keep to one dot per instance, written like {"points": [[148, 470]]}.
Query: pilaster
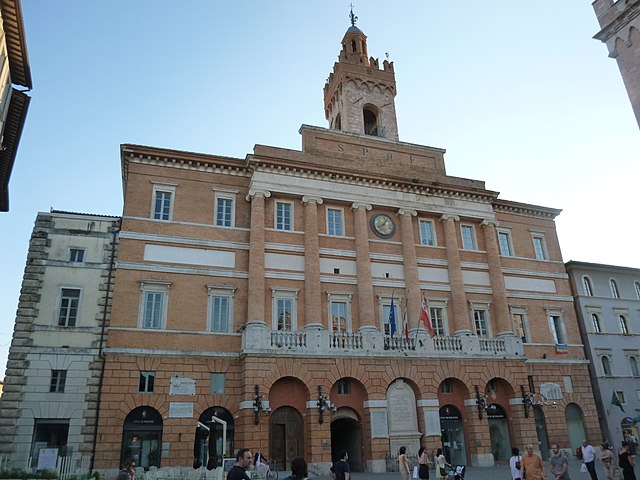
{"points": [[312, 295], [461, 321], [412, 280], [256, 297], [363, 268]]}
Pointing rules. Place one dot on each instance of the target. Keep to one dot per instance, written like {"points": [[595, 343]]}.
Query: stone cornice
{"points": [[525, 209], [621, 21]]}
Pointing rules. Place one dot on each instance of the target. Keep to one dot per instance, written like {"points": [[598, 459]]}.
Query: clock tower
{"points": [[359, 96]]}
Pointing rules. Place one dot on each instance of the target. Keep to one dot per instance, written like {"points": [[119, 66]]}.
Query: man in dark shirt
{"points": [[340, 469], [244, 459]]}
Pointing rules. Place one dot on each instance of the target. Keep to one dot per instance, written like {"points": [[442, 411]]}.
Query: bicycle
{"points": [[265, 472]]}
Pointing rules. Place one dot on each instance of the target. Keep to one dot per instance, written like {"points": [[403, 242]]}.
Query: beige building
{"points": [[14, 70], [620, 31], [51, 386], [260, 291]]}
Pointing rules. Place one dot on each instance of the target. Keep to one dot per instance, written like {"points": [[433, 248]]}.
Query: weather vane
{"points": [[353, 18]]}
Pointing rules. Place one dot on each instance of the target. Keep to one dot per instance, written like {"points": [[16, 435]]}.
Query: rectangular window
{"points": [[335, 225], [468, 237], [217, 383], [344, 386], [519, 326], [69, 301], [386, 310], [146, 382], [76, 255], [427, 233], [480, 322], [446, 386], [539, 247], [504, 239], [162, 205], [58, 381], [284, 314], [284, 216], [224, 212], [339, 317], [219, 308], [437, 321], [153, 309], [557, 329], [620, 395]]}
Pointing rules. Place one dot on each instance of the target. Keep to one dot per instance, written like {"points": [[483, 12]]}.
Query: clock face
{"points": [[383, 225]]}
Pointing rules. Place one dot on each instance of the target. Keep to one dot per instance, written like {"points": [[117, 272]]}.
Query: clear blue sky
{"points": [[518, 93]]}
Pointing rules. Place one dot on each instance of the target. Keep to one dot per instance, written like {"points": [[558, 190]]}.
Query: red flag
{"points": [[424, 316], [405, 323]]}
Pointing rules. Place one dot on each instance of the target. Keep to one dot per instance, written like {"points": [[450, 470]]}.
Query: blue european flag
{"points": [[392, 319]]}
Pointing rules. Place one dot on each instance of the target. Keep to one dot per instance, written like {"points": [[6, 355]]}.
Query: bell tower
{"points": [[359, 96]]}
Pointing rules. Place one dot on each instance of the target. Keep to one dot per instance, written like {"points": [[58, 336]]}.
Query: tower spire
{"points": [[353, 18]]}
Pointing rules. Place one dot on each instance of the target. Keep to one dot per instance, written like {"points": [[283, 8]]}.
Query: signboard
{"points": [[227, 464], [182, 386], [47, 459], [180, 410]]}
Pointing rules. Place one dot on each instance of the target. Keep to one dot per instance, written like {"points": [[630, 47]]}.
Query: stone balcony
{"points": [[259, 339]]}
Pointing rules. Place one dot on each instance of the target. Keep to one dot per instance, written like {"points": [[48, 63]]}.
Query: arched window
{"points": [[615, 293], [637, 287], [623, 324], [606, 365], [370, 122], [338, 122], [633, 363], [595, 321], [588, 289]]}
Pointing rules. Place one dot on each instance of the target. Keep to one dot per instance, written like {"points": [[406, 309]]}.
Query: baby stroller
{"points": [[457, 472]]}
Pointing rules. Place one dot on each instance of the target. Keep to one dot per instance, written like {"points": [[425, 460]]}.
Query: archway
{"points": [[452, 429], [216, 435], [346, 434], [499, 433], [142, 437], [575, 425], [541, 432], [286, 439]]}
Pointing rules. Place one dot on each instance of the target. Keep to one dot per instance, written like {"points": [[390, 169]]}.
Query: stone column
{"points": [[256, 293], [312, 291], [366, 307], [461, 322], [503, 321], [411, 279]]}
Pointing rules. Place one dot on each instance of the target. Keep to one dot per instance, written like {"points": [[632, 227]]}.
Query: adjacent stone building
{"points": [[271, 292], [608, 304], [51, 386], [620, 31]]}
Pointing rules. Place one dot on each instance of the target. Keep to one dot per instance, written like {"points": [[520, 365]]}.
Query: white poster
{"points": [[47, 459]]}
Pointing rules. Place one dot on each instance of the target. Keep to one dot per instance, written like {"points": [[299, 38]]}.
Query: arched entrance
{"points": [[541, 431], [215, 436], [142, 437], [452, 430], [286, 439], [346, 434], [575, 425], [499, 433]]}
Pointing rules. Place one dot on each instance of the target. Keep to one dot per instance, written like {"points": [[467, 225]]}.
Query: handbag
{"points": [[583, 468], [415, 471], [443, 472]]}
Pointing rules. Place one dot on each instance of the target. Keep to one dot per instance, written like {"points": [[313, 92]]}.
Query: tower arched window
{"points": [[624, 328], [588, 289], [615, 293], [354, 46], [637, 287], [337, 124], [606, 366], [595, 321], [370, 122], [633, 363]]}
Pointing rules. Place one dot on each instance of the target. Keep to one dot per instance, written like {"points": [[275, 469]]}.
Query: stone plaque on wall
{"points": [[401, 407], [182, 386], [432, 422], [379, 424], [180, 410]]}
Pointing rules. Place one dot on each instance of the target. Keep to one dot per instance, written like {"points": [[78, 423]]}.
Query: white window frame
{"points": [[384, 302], [479, 307], [636, 285], [153, 286], [553, 328], [159, 187], [439, 304], [225, 194], [596, 322], [524, 313], [474, 241], [73, 252], [147, 374], [606, 360], [59, 307], [505, 233], [282, 227], [423, 240], [623, 323], [290, 294], [342, 223], [633, 366], [614, 288], [345, 298], [60, 381], [220, 291], [538, 240], [587, 286]]}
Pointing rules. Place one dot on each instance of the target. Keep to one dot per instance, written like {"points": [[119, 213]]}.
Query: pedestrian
{"points": [[589, 459], [423, 464], [299, 469], [608, 460], [340, 470], [127, 471], [627, 462], [244, 460], [532, 466], [441, 464], [515, 462], [559, 463], [403, 464]]}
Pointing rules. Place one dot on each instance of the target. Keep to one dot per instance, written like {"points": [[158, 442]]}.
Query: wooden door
{"points": [[285, 439]]}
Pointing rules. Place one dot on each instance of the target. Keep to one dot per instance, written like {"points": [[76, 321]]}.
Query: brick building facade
{"points": [[266, 285]]}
